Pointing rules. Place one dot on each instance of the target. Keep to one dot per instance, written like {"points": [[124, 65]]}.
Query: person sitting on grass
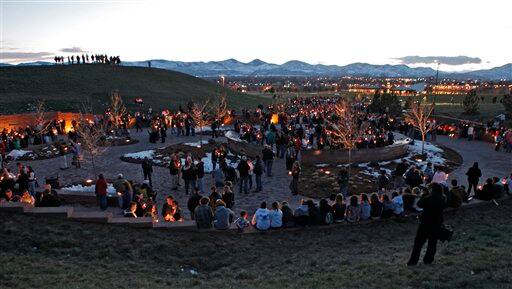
{"points": [[388, 207], [326, 212], [353, 214], [288, 219], [376, 206], [203, 214], [193, 202], [339, 208], [487, 192], [261, 219], [456, 195], [301, 214], [130, 212], [223, 216], [276, 216], [26, 198], [499, 189], [242, 222], [398, 202], [365, 207]]}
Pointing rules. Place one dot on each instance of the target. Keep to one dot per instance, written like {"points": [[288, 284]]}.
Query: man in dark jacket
{"points": [[474, 174], [268, 158], [430, 224], [147, 170], [258, 171], [243, 170]]}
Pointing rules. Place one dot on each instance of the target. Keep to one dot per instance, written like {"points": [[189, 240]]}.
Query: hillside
{"points": [[66, 87]]}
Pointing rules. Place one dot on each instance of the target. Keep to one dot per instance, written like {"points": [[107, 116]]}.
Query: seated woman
{"points": [[223, 216], [301, 214], [276, 216], [376, 206], [338, 209], [130, 212], [388, 208], [261, 219], [365, 207], [27, 198], [326, 212], [288, 219], [353, 213]]}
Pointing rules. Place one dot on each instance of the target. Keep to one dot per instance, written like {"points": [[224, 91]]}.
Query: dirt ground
{"points": [[53, 253]]}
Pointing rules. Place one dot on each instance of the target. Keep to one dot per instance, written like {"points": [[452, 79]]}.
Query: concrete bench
{"points": [[93, 217], [15, 207], [145, 222], [185, 225], [51, 211]]}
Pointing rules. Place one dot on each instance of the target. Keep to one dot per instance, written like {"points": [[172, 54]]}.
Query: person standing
{"points": [[174, 170], [474, 173], [243, 170], [294, 185], [431, 221], [200, 175], [147, 170], [101, 192], [268, 158], [258, 171]]}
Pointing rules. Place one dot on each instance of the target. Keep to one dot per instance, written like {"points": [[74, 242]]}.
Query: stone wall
{"points": [[14, 121]]}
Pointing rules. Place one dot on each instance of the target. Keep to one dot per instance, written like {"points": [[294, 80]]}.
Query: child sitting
{"points": [[242, 222]]}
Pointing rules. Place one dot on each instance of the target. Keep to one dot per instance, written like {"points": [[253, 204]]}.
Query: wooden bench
{"points": [[94, 217], [51, 211], [145, 222]]}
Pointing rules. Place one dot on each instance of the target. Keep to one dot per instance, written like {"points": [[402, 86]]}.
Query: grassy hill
{"points": [[52, 253], [65, 88]]}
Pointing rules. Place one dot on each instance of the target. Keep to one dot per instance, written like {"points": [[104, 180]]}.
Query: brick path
{"points": [[274, 188]]}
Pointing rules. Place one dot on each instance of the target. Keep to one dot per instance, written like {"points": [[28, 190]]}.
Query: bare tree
{"points": [[345, 128], [91, 135], [418, 116], [199, 113], [221, 109], [41, 121], [116, 110]]}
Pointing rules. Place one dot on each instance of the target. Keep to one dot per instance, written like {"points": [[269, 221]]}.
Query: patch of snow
{"points": [[111, 191], [233, 135], [16, 154], [141, 155], [196, 144]]}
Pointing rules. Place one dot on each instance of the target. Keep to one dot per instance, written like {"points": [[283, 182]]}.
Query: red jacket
{"points": [[101, 187]]}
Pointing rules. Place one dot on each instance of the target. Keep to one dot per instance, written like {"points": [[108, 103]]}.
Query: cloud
{"points": [[15, 56], [73, 50], [448, 60]]}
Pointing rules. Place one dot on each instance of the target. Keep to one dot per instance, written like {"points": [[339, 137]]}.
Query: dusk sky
{"points": [[321, 31]]}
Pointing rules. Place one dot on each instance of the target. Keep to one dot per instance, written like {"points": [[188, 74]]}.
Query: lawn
{"points": [[53, 253], [68, 87]]}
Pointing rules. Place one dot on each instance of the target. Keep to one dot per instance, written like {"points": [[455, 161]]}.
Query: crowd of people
{"points": [[85, 58]]}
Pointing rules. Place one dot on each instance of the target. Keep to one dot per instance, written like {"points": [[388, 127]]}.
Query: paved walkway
{"points": [[275, 188], [491, 162]]}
